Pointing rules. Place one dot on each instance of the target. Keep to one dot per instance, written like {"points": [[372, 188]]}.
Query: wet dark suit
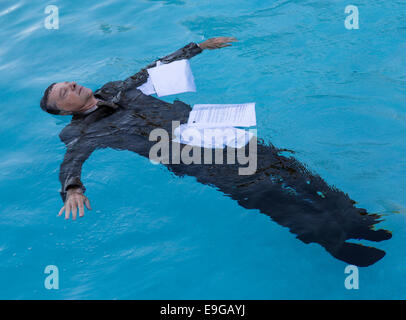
{"points": [[281, 187]]}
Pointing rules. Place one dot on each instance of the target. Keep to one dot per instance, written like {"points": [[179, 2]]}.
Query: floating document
{"points": [[212, 137], [147, 88], [171, 78], [223, 115], [167, 79]]}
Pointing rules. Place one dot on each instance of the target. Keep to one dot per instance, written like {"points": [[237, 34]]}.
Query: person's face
{"points": [[69, 96]]}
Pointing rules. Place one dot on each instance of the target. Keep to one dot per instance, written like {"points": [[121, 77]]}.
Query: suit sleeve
{"points": [[187, 52], [71, 167]]}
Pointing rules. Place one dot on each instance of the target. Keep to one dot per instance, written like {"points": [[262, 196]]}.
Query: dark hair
{"points": [[45, 105]]}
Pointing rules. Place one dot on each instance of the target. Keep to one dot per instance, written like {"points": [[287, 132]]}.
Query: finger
{"points": [[221, 46], [81, 209], [227, 39], [61, 211], [67, 211], [75, 210], [87, 203]]}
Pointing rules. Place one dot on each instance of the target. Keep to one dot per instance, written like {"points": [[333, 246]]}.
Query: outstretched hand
{"points": [[75, 201], [216, 43]]}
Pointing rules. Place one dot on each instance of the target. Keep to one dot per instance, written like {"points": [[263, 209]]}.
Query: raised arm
{"points": [[187, 52]]}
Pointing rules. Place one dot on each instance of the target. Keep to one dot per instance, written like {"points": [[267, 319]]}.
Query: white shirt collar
{"points": [[90, 110]]}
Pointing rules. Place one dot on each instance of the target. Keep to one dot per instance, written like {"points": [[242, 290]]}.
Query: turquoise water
{"points": [[335, 96]]}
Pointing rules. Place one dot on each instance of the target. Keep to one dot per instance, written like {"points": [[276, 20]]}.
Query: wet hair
{"points": [[45, 105]]}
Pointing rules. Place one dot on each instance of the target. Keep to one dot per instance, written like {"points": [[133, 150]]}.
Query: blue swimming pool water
{"points": [[335, 96]]}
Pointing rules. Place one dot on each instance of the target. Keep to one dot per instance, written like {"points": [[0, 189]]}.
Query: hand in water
{"points": [[216, 43], [75, 200]]}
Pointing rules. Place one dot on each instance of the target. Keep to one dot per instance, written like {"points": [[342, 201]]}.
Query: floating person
{"points": [[122, 117]]}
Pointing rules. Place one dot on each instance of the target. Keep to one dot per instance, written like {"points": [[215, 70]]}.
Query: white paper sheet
{"points": [[212, 137], [223, 115], [147, 88], [171, 78]]}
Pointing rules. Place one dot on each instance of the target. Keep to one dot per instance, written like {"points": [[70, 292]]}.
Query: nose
{"points": [[73, 85]]}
